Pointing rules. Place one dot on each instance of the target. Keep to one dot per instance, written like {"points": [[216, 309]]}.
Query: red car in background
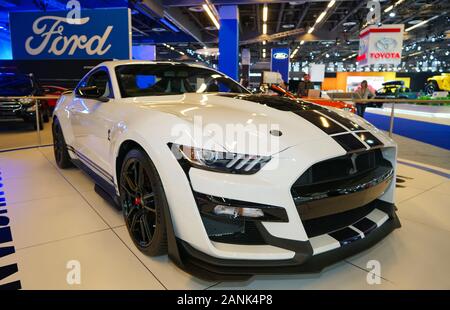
{"points": [[50, 91], [330, 103]]}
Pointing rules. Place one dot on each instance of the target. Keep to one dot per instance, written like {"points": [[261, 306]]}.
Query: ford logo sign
{"points": [[280, 56]]}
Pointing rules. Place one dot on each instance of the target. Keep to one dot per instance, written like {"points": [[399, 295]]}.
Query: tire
{"points": [[62, 156], [41, 122], [46, 116], [143, 203], [431, 87]]}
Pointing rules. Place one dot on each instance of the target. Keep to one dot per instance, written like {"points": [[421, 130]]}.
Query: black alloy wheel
{"points": [[431, 87], [143, 201], [60, 151]]}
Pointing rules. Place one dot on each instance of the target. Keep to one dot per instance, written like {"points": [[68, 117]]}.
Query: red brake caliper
{"points": [[137, 201]]}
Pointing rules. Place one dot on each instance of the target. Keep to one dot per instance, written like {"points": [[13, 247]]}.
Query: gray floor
{"points": [[17, 134], [422, 152], [56, 218]]}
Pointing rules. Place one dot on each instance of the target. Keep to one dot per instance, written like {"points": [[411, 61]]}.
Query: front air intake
{"points": [[341, 184]]}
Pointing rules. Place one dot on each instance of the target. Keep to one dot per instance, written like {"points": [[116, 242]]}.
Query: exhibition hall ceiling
{"points": [[186, 26]]}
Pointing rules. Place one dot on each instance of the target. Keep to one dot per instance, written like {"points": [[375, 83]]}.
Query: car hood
{"points": [[278, 122]]}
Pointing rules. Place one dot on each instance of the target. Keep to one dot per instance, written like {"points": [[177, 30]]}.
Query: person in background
{"points": [[304, 86], [245, 83], [363, 92], [283, 85]]}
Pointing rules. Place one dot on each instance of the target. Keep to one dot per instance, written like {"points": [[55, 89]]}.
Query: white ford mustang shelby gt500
{"points": [[178, 148]]}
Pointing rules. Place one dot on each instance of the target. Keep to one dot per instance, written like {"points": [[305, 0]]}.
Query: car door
{"points": [[91, 122]]}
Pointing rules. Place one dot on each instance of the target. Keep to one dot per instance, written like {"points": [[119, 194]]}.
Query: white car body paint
{"points": [[149, 122]]}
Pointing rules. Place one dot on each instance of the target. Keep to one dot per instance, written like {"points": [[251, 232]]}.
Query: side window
{"points": [[100, 79]]}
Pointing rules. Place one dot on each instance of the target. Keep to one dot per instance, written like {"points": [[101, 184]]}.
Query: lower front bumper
{"points": [[212, 268], [19, 116]]}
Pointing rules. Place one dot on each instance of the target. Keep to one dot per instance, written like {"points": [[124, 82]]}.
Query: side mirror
{"points": [[91, 92]]}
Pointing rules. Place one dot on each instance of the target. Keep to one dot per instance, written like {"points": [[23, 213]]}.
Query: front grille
{"points": [[339, 168], [341, 184], [9, 108]]}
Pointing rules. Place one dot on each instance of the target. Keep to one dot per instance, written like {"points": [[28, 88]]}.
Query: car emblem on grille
{"points": [[354, 168]]}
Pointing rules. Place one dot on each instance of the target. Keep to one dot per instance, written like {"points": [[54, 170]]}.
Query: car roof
{"points": [[114, 63], [389, 83]]}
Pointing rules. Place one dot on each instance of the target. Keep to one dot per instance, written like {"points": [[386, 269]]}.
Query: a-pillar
{"points": [[229, 41]]}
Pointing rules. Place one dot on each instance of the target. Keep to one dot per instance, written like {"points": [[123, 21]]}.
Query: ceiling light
{"points": [[349, 24], [211, 16], [321, 16], [264, 42], [157, 29], [414, 21], [264, 28], [398, 2], [327, 55], [196, 9], [294, 53], [392, 14], [288, 26], [265, 13], [332, 2], [388, 9], [311, 30], [302, 42], [421, 23]]}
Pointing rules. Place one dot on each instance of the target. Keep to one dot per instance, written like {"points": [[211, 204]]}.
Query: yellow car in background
{"points": [[438, 83]]}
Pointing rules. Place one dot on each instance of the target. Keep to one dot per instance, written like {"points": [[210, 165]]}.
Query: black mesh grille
{"points": [[341, 184], [340, 168]]}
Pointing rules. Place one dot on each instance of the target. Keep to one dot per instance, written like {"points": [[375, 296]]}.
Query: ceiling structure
{"points": [[180, 27]]}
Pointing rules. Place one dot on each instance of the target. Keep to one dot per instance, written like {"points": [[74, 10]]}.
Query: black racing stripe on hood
{"points": [[301, 108], [370, 139], [343, 121], [279, 103], [322, 122], [350, 143]]}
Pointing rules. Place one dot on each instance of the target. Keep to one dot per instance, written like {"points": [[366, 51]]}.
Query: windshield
{"points": [[165, 79], [12, 84]]}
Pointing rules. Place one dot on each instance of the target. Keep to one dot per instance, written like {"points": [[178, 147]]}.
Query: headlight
{"points": [[26, 101], [219, 161], [228, 209], [32, 108]]}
